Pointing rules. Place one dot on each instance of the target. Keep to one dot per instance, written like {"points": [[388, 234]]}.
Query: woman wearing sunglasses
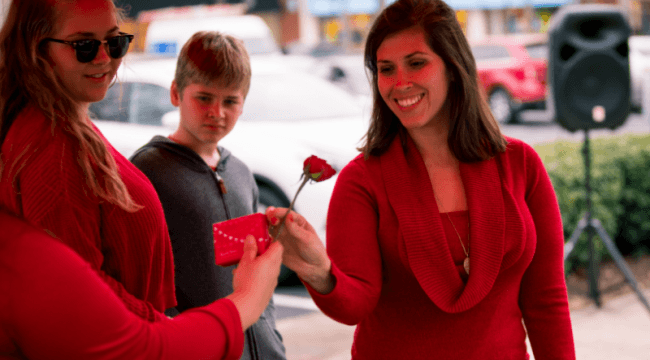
{"points": [[58, 172], [61, 175]]}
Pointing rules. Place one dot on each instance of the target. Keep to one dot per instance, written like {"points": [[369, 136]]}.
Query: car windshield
{"points": [[133, 102], [538, 51], [293, 97]]}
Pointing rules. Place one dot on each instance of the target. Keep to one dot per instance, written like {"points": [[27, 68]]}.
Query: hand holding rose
{"points": [[304, 252]]}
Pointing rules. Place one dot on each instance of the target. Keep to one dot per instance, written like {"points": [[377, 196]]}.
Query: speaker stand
{"points": [[591, 226]]}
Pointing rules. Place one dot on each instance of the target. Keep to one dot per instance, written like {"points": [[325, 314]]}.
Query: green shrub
{"points": [[634, 224], [620, 190]]}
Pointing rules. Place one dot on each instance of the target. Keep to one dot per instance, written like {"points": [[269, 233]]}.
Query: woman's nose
{"points": [[102, 54], [402, 80]]}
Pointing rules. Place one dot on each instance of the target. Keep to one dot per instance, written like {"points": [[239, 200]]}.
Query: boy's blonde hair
{"points": [[212, 58]]}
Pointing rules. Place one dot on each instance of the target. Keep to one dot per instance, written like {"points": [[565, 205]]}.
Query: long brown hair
{"points": [[26, 78], [474, 134]]}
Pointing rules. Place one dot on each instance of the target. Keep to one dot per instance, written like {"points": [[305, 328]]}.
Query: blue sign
{"points": [[164, 48]]}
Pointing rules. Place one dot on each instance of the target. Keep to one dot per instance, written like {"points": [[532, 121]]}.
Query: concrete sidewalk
{"points": [[619, 330]]}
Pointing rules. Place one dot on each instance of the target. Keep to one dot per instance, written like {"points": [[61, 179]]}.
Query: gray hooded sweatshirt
{"points": [[193, 198]]}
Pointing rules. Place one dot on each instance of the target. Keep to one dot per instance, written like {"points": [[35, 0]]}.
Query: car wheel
{"points": [[268, 197], [501, 106]]}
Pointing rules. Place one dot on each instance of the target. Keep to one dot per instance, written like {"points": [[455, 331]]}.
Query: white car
{"points": [[639, 55], [346, 71], [287, 117]]}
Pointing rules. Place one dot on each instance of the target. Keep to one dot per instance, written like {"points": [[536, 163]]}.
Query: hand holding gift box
{"points": [[229, 235]]}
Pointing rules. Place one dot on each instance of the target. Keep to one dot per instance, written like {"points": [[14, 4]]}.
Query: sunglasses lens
{"points": [[118, 46], [86, 50]]}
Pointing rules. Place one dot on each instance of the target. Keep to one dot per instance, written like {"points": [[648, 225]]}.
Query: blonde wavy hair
{"points": [[26, 78]]}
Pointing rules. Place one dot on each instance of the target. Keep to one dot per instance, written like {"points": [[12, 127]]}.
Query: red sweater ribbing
{"points": [[54, 306], [43, 183], [397, 280]]}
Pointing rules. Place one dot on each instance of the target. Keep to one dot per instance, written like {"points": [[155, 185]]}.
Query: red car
{"points": [[512, 70]]}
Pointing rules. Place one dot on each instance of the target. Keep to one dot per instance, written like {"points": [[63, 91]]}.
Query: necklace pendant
{"points": [[466, 265]]}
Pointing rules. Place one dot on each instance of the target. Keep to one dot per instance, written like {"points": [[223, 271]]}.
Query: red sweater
{"points": [[43, 183], [397, 279], [88, 321]]}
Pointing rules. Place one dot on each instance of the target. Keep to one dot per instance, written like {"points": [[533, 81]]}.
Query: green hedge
{"points": [[620, 182]]}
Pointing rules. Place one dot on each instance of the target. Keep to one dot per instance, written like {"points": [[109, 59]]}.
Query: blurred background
{"points": [[310, 95], [326, 26], [326, 38]]}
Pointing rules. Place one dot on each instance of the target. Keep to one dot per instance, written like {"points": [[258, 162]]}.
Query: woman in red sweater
{"points": [[444, 238], [58, 172]]}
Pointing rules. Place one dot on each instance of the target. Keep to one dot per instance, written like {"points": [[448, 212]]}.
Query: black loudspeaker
{"points": [[589, 66]]}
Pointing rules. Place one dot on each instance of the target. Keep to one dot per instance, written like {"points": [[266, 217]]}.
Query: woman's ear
{"points": [[43, 54]]}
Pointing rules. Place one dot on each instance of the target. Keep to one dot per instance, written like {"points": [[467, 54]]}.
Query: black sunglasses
{"points": [[87, 49]]}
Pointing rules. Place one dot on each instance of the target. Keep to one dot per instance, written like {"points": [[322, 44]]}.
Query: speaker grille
{"points": [[594, 80]]}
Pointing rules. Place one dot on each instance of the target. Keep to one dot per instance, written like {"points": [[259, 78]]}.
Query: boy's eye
{"points": [[203, 98]]}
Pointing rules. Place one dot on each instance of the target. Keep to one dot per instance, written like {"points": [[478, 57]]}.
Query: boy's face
{"points": [[207, 113]]}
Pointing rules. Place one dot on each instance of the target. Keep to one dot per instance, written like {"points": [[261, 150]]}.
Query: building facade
{"points": [[345, 23]]}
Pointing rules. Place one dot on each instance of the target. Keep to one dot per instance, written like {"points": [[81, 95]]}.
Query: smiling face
{"points": [[207, 113], [77, 20], [412, 80]]}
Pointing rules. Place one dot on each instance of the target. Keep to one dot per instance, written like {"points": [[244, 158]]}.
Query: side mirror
{"points": [[336, 74]]}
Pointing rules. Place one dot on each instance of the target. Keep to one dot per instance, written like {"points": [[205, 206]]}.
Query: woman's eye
{"points": [[417, 63], [385, 69]]}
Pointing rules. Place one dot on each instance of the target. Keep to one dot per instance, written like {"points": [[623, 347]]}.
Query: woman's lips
{"points": [[409, 101]]}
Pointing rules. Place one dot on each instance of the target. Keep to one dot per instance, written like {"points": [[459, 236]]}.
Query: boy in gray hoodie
{"points": [[200, 183]]}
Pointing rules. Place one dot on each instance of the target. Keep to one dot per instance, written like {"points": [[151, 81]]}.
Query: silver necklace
{"points": [[466, 251]]}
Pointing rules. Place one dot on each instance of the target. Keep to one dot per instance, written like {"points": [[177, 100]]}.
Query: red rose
{"points": [[314, 168], [317, 169]]}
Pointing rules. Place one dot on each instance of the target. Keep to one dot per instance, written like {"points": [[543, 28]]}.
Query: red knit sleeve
{"points": [[88, 321], [543, 295], [352, 245]]}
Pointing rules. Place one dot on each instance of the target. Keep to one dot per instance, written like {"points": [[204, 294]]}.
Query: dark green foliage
{"points": [[634, 222], [620, 182]]}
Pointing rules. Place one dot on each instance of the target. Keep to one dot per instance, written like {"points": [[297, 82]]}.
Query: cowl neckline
{"points": [[412, 198]]}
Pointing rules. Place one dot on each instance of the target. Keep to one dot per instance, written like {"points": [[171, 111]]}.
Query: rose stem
{"points": [[304, 181]]}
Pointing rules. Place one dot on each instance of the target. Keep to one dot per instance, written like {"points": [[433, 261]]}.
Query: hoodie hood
{"points": [[190, 158]]}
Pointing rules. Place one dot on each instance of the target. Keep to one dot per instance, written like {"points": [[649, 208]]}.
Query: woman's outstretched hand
{"points": [[304, 252], [254, 280]]}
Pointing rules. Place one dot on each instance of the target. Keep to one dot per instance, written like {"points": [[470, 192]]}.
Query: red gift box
{"points": [[229, 237]]}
